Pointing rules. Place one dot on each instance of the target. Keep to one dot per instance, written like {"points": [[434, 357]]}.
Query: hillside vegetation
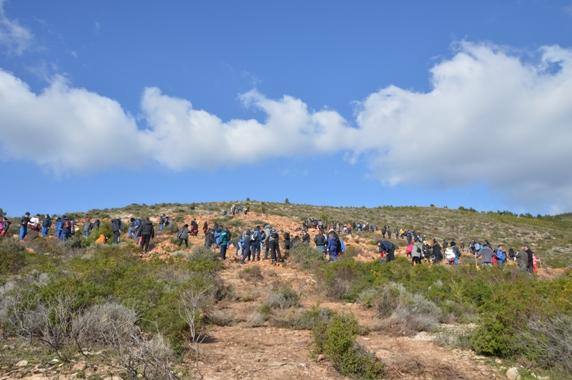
{"points": [[76, 309]]}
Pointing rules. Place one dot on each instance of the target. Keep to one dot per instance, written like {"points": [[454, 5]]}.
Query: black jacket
{"points": [[147, 229]]}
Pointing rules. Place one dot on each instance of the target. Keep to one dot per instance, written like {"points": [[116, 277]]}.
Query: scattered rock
{"points": [[512, 374], [22, 363]]}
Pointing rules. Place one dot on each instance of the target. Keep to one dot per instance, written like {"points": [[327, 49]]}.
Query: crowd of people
{"points": [[250, 244]]}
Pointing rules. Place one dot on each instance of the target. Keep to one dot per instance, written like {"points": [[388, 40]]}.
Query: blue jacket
{"points": [[333, 245]]}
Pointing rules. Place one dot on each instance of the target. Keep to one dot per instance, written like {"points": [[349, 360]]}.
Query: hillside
{"points": [[197, 317], [550, 236]]}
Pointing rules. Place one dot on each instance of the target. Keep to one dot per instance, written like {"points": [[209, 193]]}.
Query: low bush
{"points": [[282, 297], [336, 339], [251, 273], [548, 343], [12, 256], [306, 257]]}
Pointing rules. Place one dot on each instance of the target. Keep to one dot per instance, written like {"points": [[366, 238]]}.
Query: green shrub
{"points": [[12, 256], [282, 297], [306, 257], [104, 229], [336, 340]]}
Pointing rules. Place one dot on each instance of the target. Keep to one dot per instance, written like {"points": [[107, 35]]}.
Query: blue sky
{"points": [[330, 57]]}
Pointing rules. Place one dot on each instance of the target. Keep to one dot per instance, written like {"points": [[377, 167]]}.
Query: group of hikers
{"points": [[252, 242], [419, 249]]}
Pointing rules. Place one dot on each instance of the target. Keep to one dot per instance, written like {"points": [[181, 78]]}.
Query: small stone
{"points": [[22, 363], [512, 374]]}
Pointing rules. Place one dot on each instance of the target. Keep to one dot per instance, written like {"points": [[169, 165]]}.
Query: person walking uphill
{"points": [[334, 245], [146, 233], [183, 236], [116, 228]]}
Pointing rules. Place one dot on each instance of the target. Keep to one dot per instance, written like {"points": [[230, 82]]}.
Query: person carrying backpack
{"points": [[4, 226], [183, 236], [87, 227], [255, 244], [334, 245], [500, 254], [66, 228], [416, 252], [529, 258], [486, 255], [224, 241], [162, 222], [46, 224], [287, 244], [194, 228], [456, 251], [246, 241], [116, 229], [274, 246], [321, 242], [209, 238], [386, 250], [146, 233], [267, 231], [437, 252]]}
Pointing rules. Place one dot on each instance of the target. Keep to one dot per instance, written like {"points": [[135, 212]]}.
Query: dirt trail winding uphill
{"points": [[241, 351]]}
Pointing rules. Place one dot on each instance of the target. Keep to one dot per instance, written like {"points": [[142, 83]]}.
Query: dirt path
{"points": [[266, 352]]}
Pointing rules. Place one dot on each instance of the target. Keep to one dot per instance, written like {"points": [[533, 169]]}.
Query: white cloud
{"points": [[491, 119], [64, 128], [14, 38]]}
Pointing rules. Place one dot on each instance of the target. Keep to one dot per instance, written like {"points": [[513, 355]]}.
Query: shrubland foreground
{"points": [[77, 309]]}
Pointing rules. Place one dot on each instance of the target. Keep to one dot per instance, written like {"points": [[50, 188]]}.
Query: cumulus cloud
{"points": [[491, 119], [65, 128], [14, 38]]}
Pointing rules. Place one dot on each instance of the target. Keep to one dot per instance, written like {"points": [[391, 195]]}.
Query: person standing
{"points": [[46, 224], [87, 226], [321, 242], [224, 241], [416, 252], [66, 228], [146, 233], [334, 245], [246, 254], [116, 229], [274, 246], [24, 225], [529, 258], [183, 236]]}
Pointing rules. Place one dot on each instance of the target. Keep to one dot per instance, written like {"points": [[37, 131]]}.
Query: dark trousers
{"points": [[116, 235], [223, 251], [186, 241], [274, 251], [145, 241]]}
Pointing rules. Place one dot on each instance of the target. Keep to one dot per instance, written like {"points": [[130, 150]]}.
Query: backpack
{"points": [[341, 245], [450, 253], [501, 256]]}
